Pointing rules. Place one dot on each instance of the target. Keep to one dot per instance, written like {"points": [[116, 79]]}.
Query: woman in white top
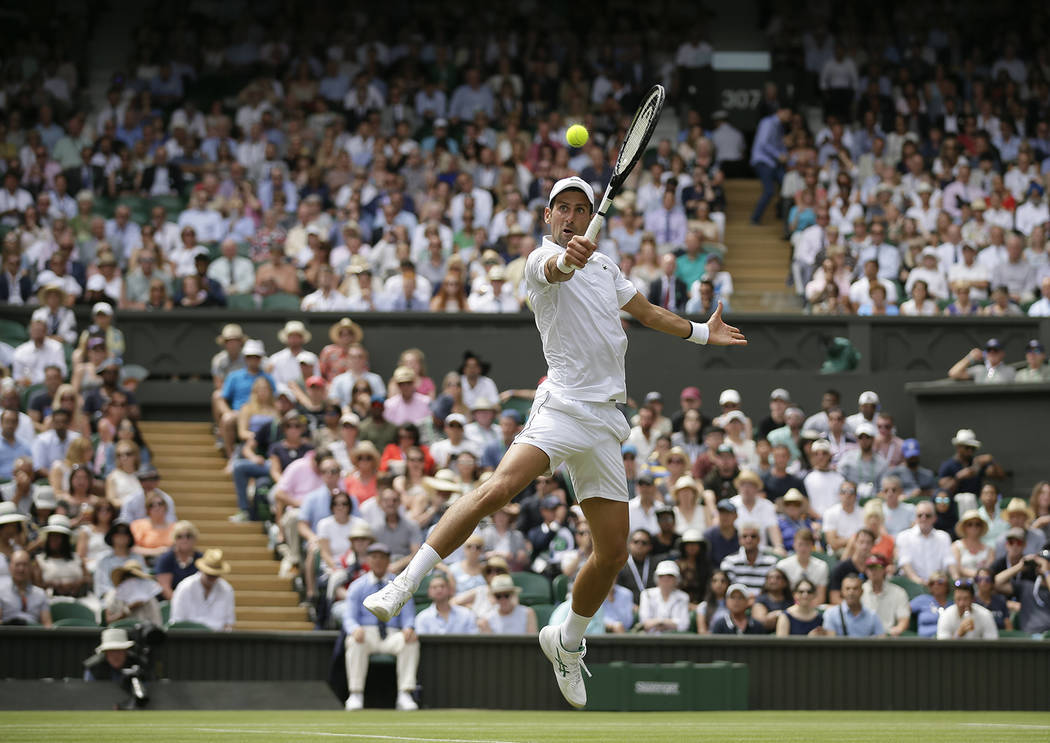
{"points": [[475, 384], [502, 539], [468, 571], [688, 512], [920, 303], [969, 551], [664, 608], [509, 617], [122, 482], [735, 423], [91, 537]]}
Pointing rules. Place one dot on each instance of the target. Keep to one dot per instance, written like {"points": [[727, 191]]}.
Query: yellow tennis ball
{"points": [[577, 135]]}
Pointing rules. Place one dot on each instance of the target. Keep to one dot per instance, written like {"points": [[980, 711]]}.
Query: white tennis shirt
{"points": [[579, 323]]}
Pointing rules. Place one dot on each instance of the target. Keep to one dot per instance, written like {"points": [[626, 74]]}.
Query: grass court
{"points": [[461, 726]]}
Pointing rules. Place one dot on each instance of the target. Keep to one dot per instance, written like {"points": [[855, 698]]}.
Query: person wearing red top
{"points": [[362, 482], [335, 357], [393, 459]]}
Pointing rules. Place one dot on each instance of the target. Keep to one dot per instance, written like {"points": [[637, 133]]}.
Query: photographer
{"points": [[114, 661], [1028, 581]]}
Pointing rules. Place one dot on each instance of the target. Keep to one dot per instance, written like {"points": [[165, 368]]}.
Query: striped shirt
{"points": [[752, 575]]}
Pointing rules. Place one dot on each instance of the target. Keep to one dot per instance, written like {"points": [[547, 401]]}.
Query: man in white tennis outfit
{"points": [[576, 294]]}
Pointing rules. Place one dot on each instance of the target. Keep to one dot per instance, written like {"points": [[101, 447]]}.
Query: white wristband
{"points": [[700, 333], [563, 265]]}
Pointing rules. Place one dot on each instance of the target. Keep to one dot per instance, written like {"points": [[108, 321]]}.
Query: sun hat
{"points": [[294, 326], [58, 523], [503, 584], [130, 567], [254, 347], [1016, 505], [114, 638], [356, 334], [668, 567], [972, 515], [230, 332], [9, 514], [966, 437], [443, 480], [212, 563]]}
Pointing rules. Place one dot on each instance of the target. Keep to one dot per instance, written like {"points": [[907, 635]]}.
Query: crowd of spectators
{"points": [[381, 167], [911, 177]]}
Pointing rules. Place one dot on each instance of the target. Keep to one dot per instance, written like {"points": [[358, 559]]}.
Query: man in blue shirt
{"points": [[10, 447], [509, 427], [366, 635], [237, 390], [850, 618], [768, 155], [443, 617]]}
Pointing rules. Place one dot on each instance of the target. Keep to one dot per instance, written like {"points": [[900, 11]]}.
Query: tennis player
{"points": [[574, 420]]}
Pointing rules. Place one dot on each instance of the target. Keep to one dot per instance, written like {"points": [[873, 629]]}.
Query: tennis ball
{"points": [[577, 135]]}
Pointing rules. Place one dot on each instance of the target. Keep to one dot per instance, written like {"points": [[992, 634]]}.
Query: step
{"points": [[198, 474], [201, 441], [211, 512], [174, 426], [180, 448], [269, 626], [240, 552], [227, 527], [222, 539], [268, 583], [272, 613], [165, 460], [261, 599], [256, 567]]}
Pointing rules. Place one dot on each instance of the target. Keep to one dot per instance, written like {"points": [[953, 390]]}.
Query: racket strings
{"points": [[639, 131]]}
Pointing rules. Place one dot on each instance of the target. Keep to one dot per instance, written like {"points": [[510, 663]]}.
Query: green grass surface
{"points": [[446, 726]]}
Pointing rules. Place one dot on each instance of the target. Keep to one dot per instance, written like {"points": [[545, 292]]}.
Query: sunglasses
{"points": [[503, 595], [804, 591], [964, 583], [341, 504], [472, 546], [331, 471], [184, 536], [924, 515], [158, 504], [492, 571]]}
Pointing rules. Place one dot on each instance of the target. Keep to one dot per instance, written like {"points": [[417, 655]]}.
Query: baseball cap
{"points": [[315, 382], [780, 394], [821, 445], [993, 344], [868, 398], [254, 347], [572, 182], [729, 396], [874, 559], [725, 449], [378, 547], [1034, 346], [645, 479], [738, 588], [1016, 532], [864, 429], [654, 396], [513, 414], [351, 418], [910, 448], [551, 501], [735, 415], [726, 506], [102, 308], [307, 357], [456, 418], [668, 567], [691, 393], [629, 449]]}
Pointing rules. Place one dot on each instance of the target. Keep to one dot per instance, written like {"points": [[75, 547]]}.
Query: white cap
{"points": [[254, 347], [780, 394], [864, 428], [572, 182], [668, 567], [734, 415], [821, 445], [868, 398], [729, 396], [307, 357], [96, 283], [102, 307], [456, 418]]}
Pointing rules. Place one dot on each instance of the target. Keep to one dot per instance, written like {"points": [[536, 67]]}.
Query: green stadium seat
{"points": [[13, 332], [535, 589], [826, 558], [165, 611], [242, 302], [560, 586], [421, 593], [543, 614], [1015, 633], [913, 589], [72, 610], [186, 624], [281, 301], [128, 623], [173, 205], [75, 622], [521, 404]]}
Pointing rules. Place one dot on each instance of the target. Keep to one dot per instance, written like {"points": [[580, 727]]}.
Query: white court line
{"points": [[1003, 725], [366, 736]]}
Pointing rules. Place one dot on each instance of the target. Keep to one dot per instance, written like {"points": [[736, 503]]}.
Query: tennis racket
{"points": [[634, 143]]}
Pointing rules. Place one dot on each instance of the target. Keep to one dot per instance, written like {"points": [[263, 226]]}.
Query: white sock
{"points": [[572, 630], [422, 563]]}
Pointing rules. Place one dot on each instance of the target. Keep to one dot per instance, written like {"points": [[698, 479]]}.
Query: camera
{"points": [[1029, 564], [135, 670]]}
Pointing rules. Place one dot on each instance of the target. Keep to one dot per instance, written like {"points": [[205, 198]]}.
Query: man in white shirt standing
{"points": [[205, 596], [576, 294], [923, 550]]}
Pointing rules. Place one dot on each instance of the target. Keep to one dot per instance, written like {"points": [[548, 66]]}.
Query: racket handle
{"points": [[595, 226]]}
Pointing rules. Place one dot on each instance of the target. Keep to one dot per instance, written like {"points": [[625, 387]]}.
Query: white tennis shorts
{"points": [[586, 437]]}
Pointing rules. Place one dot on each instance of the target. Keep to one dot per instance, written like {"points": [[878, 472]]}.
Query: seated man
{"points": [[20, 601], [443, 617], [887, 600], [749, 566], [923, 550], [736, 620], [366, 635], [850, 618], [966, 619], [205, 597]]}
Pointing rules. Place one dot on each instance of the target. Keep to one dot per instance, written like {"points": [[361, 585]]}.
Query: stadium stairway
{"points": [[758, 257], [191, 472]]}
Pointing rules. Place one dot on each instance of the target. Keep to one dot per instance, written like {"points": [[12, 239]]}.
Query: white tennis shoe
{"points": [[405, 702], [567, 666], [354, 702], [387, 601]]}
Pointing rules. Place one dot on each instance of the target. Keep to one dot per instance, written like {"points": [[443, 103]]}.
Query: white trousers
{"points": [[357, 654]]}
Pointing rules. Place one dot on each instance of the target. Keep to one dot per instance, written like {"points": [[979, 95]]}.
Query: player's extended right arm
{"points": [[718, 333]]}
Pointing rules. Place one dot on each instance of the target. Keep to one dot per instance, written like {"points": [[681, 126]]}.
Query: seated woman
{"points": [[803, 618], [58, 568], [877, 304], [123, 482], [91, 536], [508, 617], [928, 606], [395, 454], [133, 595], [774, 599], [154, 535], [178, 563], [713, 607], [120, 541], [502, 539], [664, 608]]}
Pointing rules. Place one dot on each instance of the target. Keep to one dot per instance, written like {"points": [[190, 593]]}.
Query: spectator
{"points": [[179, 562], [911, 480], [356, 362], [736, 620], [803, 617], [510, 425], [22, 602], [153, 533], [57, 568], [887, 600], [1037, 369], [793, 517], [843, 520], [366, 635], [32, 358], [689, 512], [205, 597], [345, 337], [443, 617], [508, 617], [822, 483], [768, 156], [850, 618], [991, 599], [475, 381], [665, 607], [401, 534], [921, 549], [854, 564], [1019, 515], [133, 595], [966, 619], [749, 566], [929, 607], [773, 600], [237, 388], [234, 273], [965, 472], [969, 551], [723, 537], [410, 406], [753, 507], [638, 574], [863, 465], [642, 508]]}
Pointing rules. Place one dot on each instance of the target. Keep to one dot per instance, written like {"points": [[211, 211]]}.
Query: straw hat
{"points": [[1016, 505], [356, 334], [230, 331], [674, 451], [366, 448], [212, 563], [9, 514], [114, 638], [360, 530], [683, 482], [972, 515], [47, 289], [131, 567], [748, 476], [294, 326], [966, 437], [57, 524], [443, 480], [502, 584]]}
